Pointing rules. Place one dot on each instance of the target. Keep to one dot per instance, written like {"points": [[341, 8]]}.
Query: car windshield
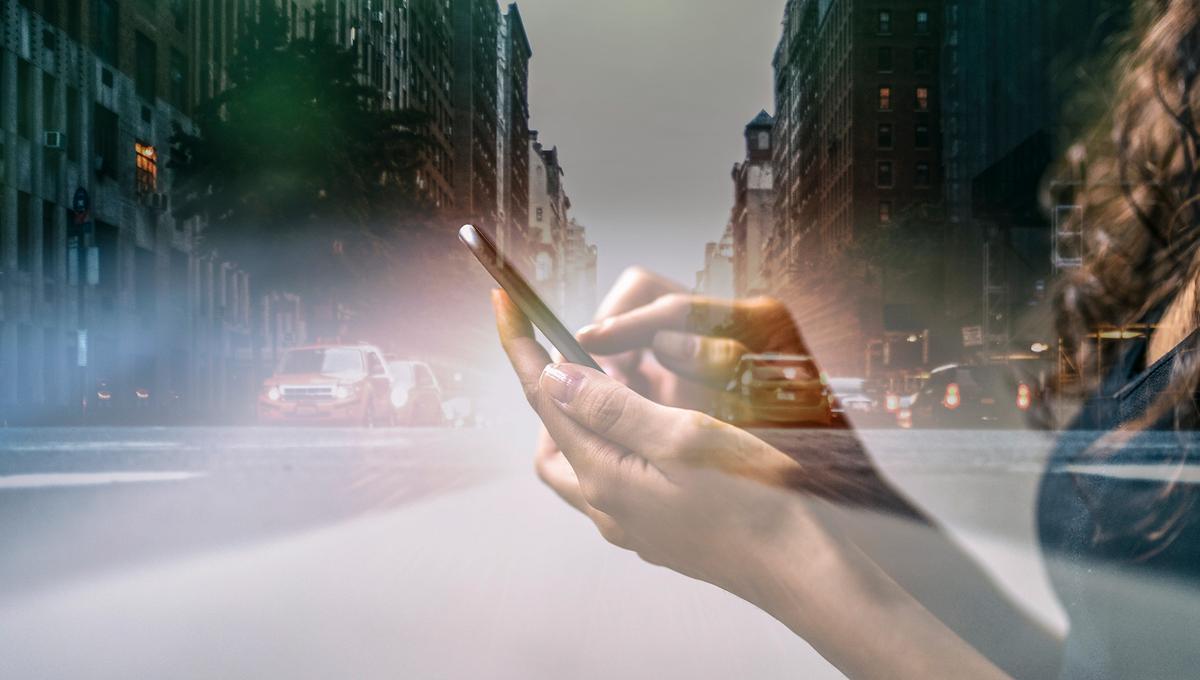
{"points": [[784, 370], [848, 386], [328, 361], [402, 373]]}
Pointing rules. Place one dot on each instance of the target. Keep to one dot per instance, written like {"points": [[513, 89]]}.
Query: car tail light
{"points": [[1024, 397], [893, 403], [953, 398]]}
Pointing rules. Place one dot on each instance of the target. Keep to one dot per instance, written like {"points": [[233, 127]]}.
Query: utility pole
{"points": [[82, 268], [996, 322]]}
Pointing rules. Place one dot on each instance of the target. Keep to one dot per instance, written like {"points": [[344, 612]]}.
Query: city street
{"points": [[399, 553]]}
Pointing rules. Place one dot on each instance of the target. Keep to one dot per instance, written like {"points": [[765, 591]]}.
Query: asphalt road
{"points": [[243, 553]]}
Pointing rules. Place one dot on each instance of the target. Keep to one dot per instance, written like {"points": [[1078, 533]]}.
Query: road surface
{"points": [[400, 553]]}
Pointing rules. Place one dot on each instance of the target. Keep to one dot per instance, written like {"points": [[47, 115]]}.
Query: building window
{"points": [[147, 168], [922, 136], [74, 125], [922, 178], [885, 136], [884, 177], [146, 76], [921, 59], [25, 100], [885, 21], [49, 242], [105, 141], [885, 212], [922, 98], [922, 22], [543, 267], [764, 141], [885, 59], [49, 101], [104, 29], [75, 20], [885, 98]]}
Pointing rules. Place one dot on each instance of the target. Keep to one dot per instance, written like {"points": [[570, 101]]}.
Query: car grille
{"points": [[308, 393]]}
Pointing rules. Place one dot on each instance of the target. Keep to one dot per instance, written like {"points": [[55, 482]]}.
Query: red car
{"points": [[328, 385]]}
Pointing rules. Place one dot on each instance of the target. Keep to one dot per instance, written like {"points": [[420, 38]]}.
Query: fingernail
{"points": [[590, 328], [562, 383]]}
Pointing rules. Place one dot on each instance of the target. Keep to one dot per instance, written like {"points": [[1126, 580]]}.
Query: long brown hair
{"points": [[1138, 182]]}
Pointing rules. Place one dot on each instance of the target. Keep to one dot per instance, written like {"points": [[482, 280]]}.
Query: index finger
{"points": [[761, 324], [635, 288]]}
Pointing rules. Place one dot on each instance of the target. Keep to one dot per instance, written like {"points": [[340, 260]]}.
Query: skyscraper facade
{"points": [[475, 27], [857, 147]]}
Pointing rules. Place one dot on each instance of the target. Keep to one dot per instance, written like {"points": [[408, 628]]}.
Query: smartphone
{"points": [[523, 295]]}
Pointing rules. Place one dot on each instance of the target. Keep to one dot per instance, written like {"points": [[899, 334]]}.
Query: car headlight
{"points": [[342, 392], [399, 397], [274, 394]]}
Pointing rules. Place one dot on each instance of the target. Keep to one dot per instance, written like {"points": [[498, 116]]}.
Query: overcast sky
{"points": [[646, 100]]}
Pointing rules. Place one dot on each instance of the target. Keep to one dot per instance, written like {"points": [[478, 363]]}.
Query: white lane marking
{"points": [[1189, 474], [93, 446], [329, 444], [43, 481]]}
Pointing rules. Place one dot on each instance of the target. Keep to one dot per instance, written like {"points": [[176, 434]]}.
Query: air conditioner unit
{"points": [[55, 140]]}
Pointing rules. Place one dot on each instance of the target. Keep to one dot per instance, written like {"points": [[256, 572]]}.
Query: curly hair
{"points": [[1138, 182]]}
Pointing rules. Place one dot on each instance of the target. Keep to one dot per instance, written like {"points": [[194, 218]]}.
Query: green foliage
{"points": [[295, 163]]}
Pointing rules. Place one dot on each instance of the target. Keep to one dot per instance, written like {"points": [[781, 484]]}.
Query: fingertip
{"points": [[593, 336], [676, 345]]}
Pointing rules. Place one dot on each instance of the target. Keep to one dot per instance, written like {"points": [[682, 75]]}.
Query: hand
{"points": [[705, 499], [678, 487], [680, 349]]}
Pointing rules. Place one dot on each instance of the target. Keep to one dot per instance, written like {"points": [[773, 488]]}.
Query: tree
{"points": [[295, 163]]}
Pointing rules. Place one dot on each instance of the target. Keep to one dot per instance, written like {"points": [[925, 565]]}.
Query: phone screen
{"points": [[524, 297]]}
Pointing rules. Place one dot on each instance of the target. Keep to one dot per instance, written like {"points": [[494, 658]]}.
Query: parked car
{"points": [[778, 389], [416, 394], [331, 385], [992, 395], [857, 401], [123, 402]]}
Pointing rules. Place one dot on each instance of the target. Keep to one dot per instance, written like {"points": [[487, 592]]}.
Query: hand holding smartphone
{"points": [[523, 295]]}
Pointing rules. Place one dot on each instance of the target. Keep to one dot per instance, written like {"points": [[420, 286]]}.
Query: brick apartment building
{"points": [[857, 146]]}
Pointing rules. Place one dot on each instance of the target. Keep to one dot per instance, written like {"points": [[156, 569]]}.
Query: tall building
{"points": [[579, 276], [549, 209], [428, 68], [716, 279], [753, 208], [857, 146], [1013, 71], [99, 281], [512, 135], [475, 30], [403, 49]]}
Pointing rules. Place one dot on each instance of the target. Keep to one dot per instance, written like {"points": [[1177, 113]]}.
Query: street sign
{"points": [[93, 266], [972, 336], [81, 202], [81, 348]]}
